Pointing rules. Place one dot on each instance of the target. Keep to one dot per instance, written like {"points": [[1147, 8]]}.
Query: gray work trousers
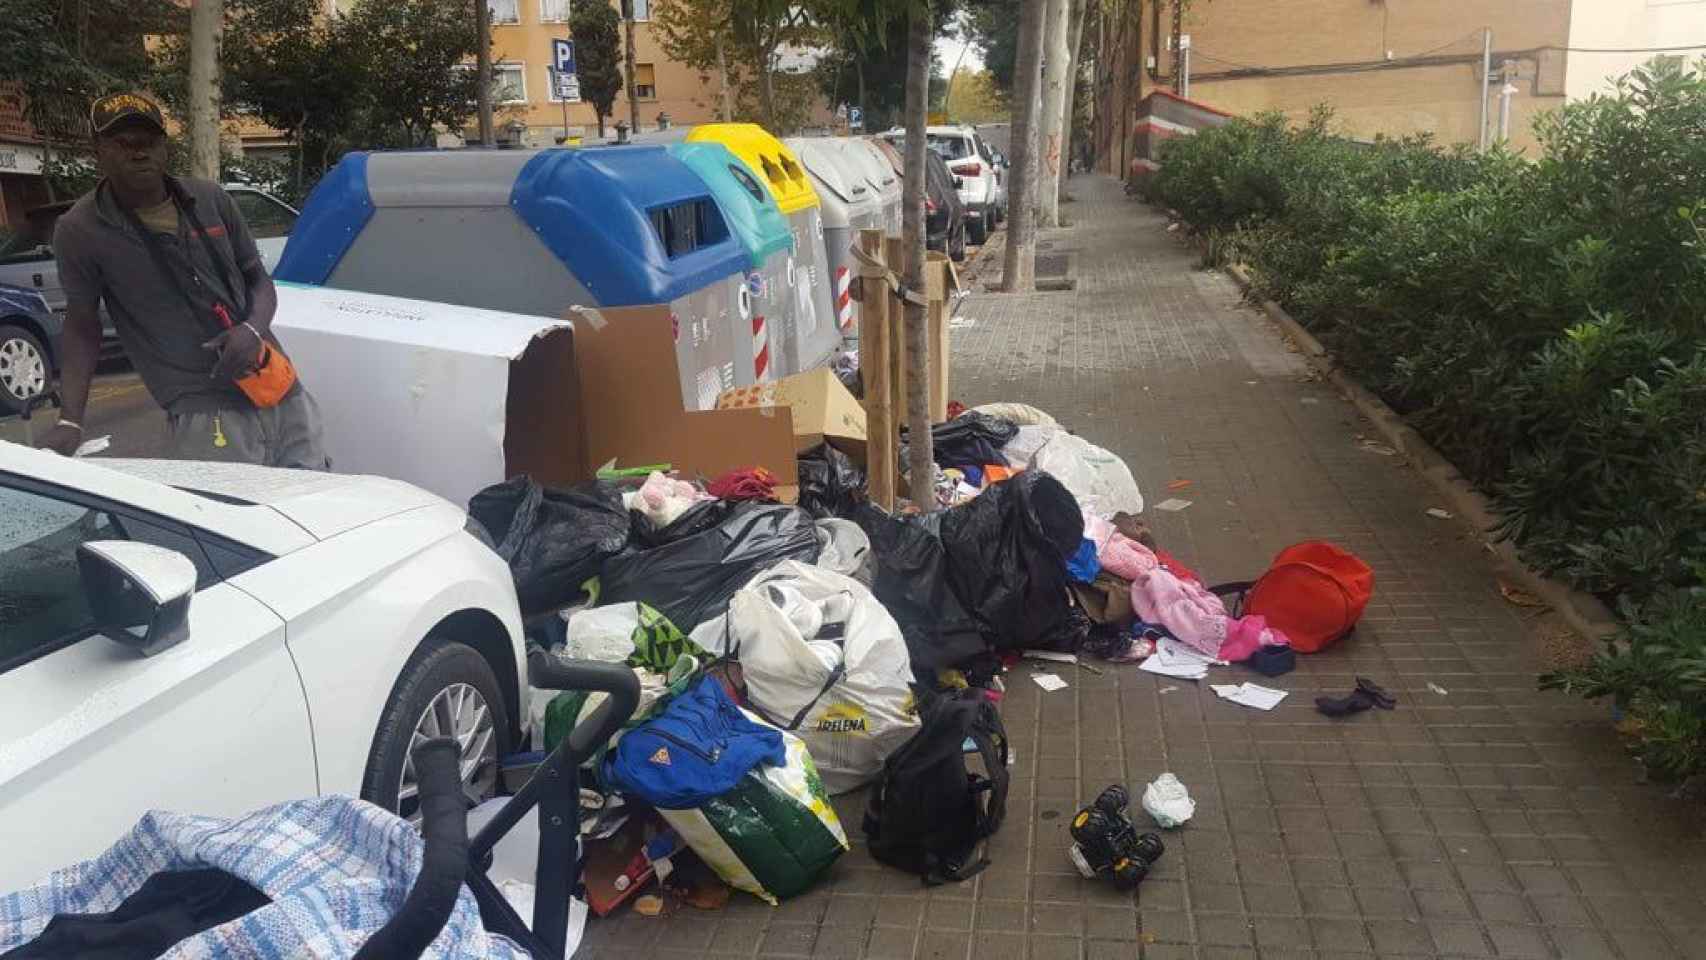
{"points": [[288, 435]]}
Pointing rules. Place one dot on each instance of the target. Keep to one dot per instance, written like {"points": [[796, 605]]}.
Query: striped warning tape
{"points": [[760, 348], [844, 298]]}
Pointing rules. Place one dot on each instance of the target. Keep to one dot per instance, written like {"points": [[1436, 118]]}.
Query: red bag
{"points": [[1314, 592]]}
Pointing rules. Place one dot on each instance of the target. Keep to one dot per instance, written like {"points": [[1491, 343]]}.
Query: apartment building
{"points": [[1390, 67], [527, 106]]}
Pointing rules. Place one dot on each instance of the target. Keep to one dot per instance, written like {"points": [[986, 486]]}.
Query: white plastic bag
{"points": [[1100, 480], [1022, 414], [1022, 449], [602, 633], [1168, 801], [791, 626], [846, 549]]}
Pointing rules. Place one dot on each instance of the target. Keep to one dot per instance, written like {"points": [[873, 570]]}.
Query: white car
{"points": [[213, 638], [973, 164]]}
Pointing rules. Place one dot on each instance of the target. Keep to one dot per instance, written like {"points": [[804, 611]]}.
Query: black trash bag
{"points": [[830, 484], [698, 518], [552, 539], [911, 581], [1007, 551], [971, 439], [691, 580]]}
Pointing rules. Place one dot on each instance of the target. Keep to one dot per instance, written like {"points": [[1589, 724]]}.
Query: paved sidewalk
{"points": [[1479, 819]]}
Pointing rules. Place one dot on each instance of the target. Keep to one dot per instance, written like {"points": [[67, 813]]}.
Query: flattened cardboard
{"points": [[454, 399], [821, 406], [632, 397]]}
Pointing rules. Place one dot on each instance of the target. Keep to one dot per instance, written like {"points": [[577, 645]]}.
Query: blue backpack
{"points": [[697, 749]]}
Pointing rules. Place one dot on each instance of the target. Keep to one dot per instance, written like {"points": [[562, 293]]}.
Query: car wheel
{"points": [[957, 245], [24, 373], [446, 690], [978, 230]]}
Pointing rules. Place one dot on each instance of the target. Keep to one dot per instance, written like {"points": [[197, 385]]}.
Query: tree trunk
{"points": [[723, 79], [1056, 17], [767, 93], [1074, 40], [483, 71], [628, 65], [921, 466], [600, 116], [1019, 265], [206, 25]]}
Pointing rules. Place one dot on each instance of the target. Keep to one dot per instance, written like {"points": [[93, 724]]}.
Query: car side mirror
{"points": [[959, 182], [138, 592]]}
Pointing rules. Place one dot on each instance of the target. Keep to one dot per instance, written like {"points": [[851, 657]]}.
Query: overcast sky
{"points": [[948, 50]]}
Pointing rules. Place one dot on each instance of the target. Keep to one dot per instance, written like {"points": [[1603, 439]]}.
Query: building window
{"points": [[509, 83], [553, 11], [642, 9], [505, 11], [645, 81]]}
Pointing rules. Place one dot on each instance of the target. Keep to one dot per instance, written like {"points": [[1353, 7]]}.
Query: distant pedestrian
{"points": [[178, 271]]}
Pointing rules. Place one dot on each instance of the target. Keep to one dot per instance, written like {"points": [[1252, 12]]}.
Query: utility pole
{"points": [[1507, 89], [1178, 31], [1185, 65], [1056, 59], [483, 70], [1019, 263], [1486, 78], [206, 25]]}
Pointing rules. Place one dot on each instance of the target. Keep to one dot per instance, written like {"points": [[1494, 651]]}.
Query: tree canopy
{"points": [[597, 29]]}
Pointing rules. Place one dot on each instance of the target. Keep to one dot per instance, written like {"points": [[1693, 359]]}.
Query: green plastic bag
{"points": [[773, 835]]}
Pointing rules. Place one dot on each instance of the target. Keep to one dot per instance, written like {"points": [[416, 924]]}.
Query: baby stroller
{"points": [[312, 877], [453, 859]]}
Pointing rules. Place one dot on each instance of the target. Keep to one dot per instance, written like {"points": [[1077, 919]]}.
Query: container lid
{"points": [[774, 164], [633, 223], [878, 173], [834, 173], [749, 208]]}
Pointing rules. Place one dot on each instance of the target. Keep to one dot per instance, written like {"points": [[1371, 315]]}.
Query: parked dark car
{"points": [[944, 211], [30, 335]]}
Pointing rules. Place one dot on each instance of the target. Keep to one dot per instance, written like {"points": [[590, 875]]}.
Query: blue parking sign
{"points": [[563, 54]]}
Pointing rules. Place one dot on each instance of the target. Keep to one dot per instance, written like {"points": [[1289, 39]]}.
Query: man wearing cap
{"points": [[178, 271]]}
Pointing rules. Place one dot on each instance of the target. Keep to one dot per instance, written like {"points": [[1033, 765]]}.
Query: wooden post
{"points": [[894, 254], [936, 282], [874, 350]]}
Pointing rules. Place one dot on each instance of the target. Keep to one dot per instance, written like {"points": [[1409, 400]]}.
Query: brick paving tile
{"points": [[1491, 821]]}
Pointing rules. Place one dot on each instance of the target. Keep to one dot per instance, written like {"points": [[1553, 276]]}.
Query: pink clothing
{"points": [[1246, 635], [1197, 617]]}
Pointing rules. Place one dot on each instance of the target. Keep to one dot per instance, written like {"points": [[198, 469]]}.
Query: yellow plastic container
{"points": [[811, 329], [774, 164]]}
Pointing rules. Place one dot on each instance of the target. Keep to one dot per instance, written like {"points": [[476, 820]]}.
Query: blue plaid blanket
{"points": [[335, 868]]}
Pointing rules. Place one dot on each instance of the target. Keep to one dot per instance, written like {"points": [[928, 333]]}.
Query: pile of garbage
{"points": [[792, 644]]}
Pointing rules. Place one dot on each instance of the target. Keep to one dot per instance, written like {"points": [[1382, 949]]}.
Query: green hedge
{"points": [[1541, 320]]}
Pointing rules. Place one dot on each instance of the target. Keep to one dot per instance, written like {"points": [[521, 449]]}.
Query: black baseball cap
{"points": [[118, 109]]}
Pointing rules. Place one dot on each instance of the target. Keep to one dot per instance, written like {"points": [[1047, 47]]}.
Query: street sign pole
{"points": [[563, 57]]}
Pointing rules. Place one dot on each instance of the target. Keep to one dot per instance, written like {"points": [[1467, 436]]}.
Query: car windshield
{"points": [[18, 243], [949, 146]]}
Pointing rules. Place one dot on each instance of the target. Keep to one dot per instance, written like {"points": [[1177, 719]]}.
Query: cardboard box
{"points": [[821, 406], [454, 399]]}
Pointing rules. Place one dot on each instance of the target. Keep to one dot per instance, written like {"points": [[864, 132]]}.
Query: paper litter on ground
{"points": [[1173, 504], [1436, 688], [1049, 681], [1439, 514], [1173, 659], [1053, 655], [1250, 694]]}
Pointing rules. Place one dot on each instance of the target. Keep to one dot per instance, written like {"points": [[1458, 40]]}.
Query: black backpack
{"points": [[928, 813]]}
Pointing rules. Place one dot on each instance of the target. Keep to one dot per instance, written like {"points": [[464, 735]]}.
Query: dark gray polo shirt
{"points": [[103, 258]]}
